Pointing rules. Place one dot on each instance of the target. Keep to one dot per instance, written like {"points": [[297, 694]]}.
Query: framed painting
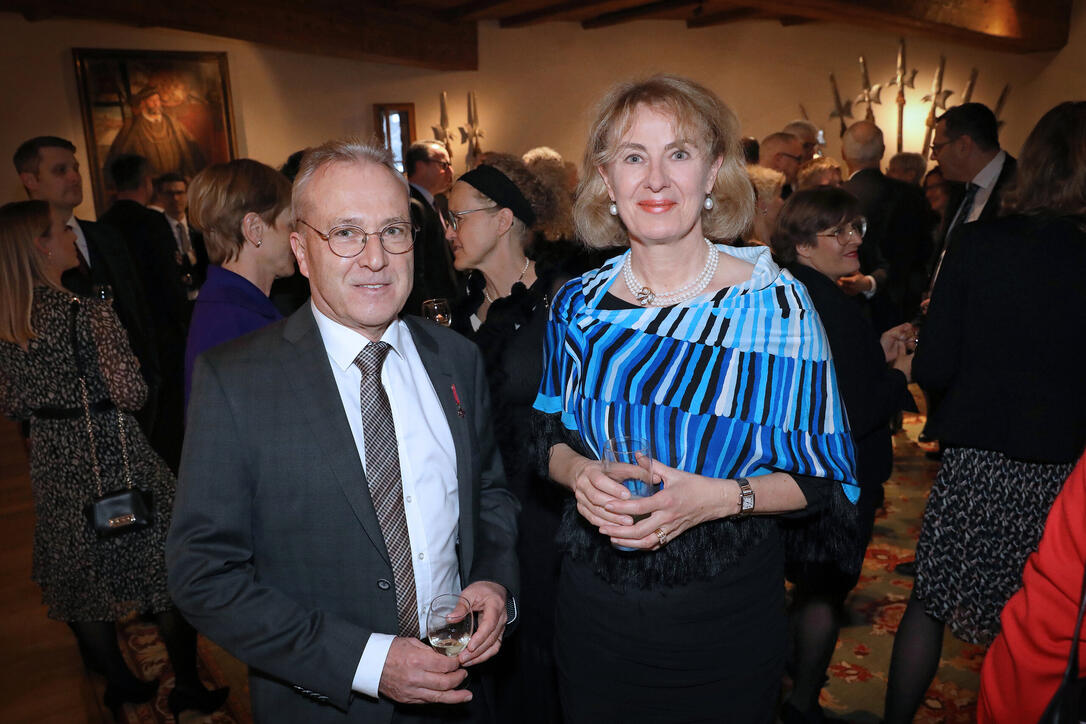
{"points": [[173, 108]]}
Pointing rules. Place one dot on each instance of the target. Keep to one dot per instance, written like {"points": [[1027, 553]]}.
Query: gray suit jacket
{"points": [[275, 551]]}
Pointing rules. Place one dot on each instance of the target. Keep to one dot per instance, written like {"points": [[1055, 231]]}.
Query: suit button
{"points": [[383, 584]]}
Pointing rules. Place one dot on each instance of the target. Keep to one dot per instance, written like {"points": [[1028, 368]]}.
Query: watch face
{"points": [[748, 502]]}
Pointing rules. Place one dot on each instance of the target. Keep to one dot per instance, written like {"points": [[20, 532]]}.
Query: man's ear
{"points": [[29, 181], [297, 245]]}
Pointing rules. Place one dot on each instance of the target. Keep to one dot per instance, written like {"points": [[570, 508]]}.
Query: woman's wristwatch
{"points": [[746, 498]]}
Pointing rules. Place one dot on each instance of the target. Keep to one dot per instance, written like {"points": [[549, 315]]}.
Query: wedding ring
{"points": [[661, 535]]}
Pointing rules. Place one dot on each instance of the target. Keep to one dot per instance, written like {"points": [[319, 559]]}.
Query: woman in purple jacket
{"points": [[243, 209]]}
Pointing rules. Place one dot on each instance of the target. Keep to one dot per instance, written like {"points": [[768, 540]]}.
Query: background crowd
{"points": [[752, 310]]}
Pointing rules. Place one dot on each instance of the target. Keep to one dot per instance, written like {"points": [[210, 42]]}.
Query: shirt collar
{"points": [[988, 175], [343, 344], [425, 194]]}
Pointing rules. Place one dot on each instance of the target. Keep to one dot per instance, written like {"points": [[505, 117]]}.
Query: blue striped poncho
{"points": [[733, 383]]}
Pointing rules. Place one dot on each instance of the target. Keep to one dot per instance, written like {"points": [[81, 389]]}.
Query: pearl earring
{"points": [[613, 209], [708, 203]]}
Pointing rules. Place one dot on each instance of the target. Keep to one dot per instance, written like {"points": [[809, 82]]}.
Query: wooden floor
{"points": [[42, 679]]}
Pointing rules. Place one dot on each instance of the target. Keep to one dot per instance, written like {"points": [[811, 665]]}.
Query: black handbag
{"points": [[126, 509], [1068, 704]]}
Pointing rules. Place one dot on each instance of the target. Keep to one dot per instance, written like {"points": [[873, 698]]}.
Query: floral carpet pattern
{"points": [[857, 675]]}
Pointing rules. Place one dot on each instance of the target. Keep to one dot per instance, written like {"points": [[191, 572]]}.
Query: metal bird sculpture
{"points": [[1001, 102], [967, 94], [472, 132], [840, 110], [441, 133], [868, 93], [937, 98], [902, 79]]}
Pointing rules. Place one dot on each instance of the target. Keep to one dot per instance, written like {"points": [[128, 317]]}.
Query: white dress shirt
{"points": [[80, 239], [986, 179], [427, 468]]}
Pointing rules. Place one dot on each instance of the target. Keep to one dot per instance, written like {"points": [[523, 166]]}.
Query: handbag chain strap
{"points": [[74, 311]]}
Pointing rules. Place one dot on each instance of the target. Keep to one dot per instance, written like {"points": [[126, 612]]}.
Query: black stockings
{"points": [[816, 622], [917, 647], [101, 653]]}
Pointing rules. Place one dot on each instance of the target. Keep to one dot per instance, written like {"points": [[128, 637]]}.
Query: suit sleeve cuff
{"points": [[367, 677]]}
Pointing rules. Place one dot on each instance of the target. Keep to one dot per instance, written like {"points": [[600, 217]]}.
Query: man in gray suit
{"points": [[339, 472]]}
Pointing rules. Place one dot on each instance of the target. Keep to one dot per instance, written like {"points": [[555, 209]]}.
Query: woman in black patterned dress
{"points": [[86, 582]]}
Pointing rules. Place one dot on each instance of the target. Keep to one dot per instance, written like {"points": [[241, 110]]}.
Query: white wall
{"points": [[535, 84]]}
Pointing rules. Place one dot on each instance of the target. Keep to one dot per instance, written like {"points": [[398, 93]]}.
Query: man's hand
{"points": [[854, 284], [416, 674], [488, 600]]}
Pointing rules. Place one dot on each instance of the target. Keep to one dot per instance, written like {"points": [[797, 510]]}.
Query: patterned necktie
{"points": [[386, 487]]}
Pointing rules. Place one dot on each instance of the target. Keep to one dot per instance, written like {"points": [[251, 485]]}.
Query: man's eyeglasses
{"points": [[848, 232], [794, 157], [445, 165], [937, 147], [348, 241], [456, 217]]}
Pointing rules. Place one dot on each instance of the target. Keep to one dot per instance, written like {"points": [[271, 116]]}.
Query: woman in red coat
{"points": [[1026, 661]]}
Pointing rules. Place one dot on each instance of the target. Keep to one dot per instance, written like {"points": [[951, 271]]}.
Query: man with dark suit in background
{"points": [[152, 246], [898, 222], [49, 172], [966, 145], [171, 198], [339, 472], [429, 173]]}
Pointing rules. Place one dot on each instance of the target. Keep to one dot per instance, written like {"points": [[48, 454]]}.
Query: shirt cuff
{"points": [[874, 287], [367, 677]]}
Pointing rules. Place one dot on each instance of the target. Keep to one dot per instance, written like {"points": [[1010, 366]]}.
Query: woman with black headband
{"points": [[496, 210]]}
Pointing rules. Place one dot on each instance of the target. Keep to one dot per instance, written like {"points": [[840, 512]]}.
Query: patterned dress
{"points": [[84, 578], [736, 382]]}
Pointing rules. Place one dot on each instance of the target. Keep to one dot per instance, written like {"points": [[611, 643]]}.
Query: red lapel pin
{"points": [[459, 408]]}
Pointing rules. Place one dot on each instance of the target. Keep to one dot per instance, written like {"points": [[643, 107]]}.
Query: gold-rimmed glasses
{"points": [[348, 241], [846, 233], [455, 217]]}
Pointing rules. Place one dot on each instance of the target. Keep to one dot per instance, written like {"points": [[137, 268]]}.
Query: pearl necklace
{"points": [[646, 297], [522, 273]]}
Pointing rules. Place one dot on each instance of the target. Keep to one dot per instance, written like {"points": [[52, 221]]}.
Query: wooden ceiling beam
{"points": [[339, 28], [550, 12], [722, 17], [1008, 25], [635, 13], [473, 10]]}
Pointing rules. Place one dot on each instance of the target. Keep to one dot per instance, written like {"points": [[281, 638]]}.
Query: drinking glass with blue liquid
{"points": [[629, 461]]}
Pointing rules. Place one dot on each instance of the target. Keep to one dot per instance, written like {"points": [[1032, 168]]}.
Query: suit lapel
{"points": [[307, 368], [442, 375]]}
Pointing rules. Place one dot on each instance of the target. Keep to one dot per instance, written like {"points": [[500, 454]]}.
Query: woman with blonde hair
{"points": [[821, 171], [66, 366], [768, 186], [243, 209], [715, 359]]}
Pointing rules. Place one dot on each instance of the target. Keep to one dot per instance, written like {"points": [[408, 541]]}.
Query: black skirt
{"points": [[705, 651]]}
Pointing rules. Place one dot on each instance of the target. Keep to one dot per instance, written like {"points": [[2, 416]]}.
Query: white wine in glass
{"points": [[449, 623]]}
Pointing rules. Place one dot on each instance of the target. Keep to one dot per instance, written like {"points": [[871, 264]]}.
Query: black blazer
{"points": [[275, 551], [110, 263], [1005, 339], [899, 224], [434, 273], [872, 392], [154, 249]]}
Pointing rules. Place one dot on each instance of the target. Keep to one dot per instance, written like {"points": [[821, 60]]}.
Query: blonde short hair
{"points": [[21, 266], [810, 172], [221, 195], [767, 182], [698, 114]]}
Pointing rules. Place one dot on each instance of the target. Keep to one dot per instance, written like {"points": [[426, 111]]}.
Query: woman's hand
{"points": [[895, 340], [595, 491], [685, 500]]}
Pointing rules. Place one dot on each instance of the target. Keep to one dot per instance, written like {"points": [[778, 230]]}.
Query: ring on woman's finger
{"points": [[661, 535]]}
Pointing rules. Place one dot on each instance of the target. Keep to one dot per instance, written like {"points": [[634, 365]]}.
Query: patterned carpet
{"points": [[858, 672], [859, 669]]}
